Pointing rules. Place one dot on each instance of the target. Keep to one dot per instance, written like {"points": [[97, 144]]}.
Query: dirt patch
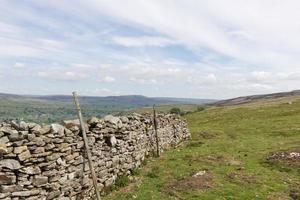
{"points": [[214, 159], [289, 157], [194, 144], [278, 197], [228, 160], [199, 181], [242, 177], [208, 134], [232, 161], [295, 192]]}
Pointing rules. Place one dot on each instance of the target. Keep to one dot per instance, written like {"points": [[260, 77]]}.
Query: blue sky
{"points": [[201, 49]]}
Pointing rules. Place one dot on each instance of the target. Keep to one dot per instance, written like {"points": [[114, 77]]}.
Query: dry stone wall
{"points": [[49, 162]]}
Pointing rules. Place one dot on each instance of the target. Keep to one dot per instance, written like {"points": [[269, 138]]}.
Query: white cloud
{"points": [[57, 73], [202, 79], [102, 90], [142, 41], [19, 65], [107, 79], [152, 81], [255, 30]]}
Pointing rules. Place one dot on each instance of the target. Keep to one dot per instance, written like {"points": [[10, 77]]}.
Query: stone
{"points": [[10, 188], [80, 144], [45, 129], [109, 182], [25, 155], [57, 140], [6, 179], [54, 156], [3, 149], [8, 130], [124, 119], [18, 143], [39, 180], [21, 193], [113, 120], [72, 156], [93, 121], [107, 131], [71, 176], [31, 170], [113, 141], [39, 141], [23, 126], [60, 161], [63, 180], [15, 136], [115, 160], [53, 194], [21, 149], [49, 146], [31, 125], [39, 150], [39, 155], [57, 128], [50, 173], [10, 164], [36, 129], [31, 136], [71, 123], [4, 140], [3, 195]]}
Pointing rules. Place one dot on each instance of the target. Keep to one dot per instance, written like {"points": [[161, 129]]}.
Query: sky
{"points": [[172, 48]]}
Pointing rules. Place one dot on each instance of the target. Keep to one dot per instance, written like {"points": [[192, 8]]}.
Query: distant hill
{"points": [[53, 108], [137, 100], [257, 98]]}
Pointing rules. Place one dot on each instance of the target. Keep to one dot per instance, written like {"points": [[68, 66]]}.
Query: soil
{"points": [[208, 135], [295, 192], [242, 177], [199, 181], [290, 157]]}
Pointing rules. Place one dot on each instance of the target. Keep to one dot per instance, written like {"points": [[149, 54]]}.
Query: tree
{"points": [[175, 110], [200, 108]]}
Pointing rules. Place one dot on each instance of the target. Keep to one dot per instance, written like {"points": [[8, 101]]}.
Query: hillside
{"points": [[53, 108], [250, 151], [259, 98]]}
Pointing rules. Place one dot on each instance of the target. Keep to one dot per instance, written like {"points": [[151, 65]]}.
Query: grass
{"points": [[232, 144]]}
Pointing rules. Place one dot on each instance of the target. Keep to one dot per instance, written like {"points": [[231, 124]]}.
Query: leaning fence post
{"points": [[155, 129], [86, 144]]}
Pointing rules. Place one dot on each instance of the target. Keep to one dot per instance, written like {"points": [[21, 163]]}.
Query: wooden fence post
{"points": [[155, 128], [86, 145]]}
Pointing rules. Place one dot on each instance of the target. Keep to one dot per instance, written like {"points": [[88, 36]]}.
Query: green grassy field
{"points": [[231, 144]]}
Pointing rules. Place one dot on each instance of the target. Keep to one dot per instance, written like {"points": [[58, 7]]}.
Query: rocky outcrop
{"points": [[49, 162]]}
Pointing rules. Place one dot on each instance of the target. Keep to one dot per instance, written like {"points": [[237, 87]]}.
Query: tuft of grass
{"points": [[122, 181], [153, 173], [136, 172]]}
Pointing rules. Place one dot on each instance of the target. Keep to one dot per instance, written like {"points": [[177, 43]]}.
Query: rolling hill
{"points": [[53, 108], [259, 98]]}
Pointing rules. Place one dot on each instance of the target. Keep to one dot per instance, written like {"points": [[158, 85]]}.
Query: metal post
{"points": [[86, 144], [155, 128]]}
